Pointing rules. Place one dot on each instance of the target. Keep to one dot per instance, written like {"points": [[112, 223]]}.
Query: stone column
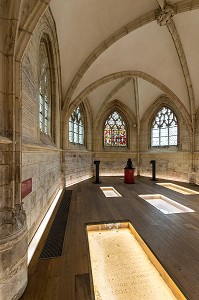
{"points": [[13, 230]]}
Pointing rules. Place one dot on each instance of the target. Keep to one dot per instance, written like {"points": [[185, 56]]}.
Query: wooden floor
{"points": [[173, 238]]}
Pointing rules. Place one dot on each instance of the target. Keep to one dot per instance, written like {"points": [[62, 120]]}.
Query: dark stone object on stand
{"points": [[129, 172], [97, 162]]}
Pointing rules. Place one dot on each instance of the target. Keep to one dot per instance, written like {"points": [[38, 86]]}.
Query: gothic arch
{"points": [[125, 30], [114, 76], [183, 118], [103, 114], [87, 126]]}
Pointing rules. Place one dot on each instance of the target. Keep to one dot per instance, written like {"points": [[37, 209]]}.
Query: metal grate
{"points": [[54, 242]]}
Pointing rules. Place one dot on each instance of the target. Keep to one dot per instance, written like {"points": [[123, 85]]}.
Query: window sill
{"points": [[164, 148], [115, 148], [74, 146], [46, 139]]}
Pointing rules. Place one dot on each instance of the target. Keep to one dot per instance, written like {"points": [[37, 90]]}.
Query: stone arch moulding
{"points": [[115, 76], [177, 107], [127, 114], [105, 111], [88, 124], [181, 6], [29, 18], [47, 32]]}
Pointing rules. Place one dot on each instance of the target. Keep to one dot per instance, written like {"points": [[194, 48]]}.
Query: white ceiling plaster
{"points": [[187, 25], [83, 24], [97, 97], [149, 49], [148, 93], [126, 95]]}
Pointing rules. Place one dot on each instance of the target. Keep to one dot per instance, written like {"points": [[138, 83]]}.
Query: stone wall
{"points": [[113, 163], [169, 165], [41, 153], [43, 166], [174, 162], [195, 175], [78, 166]]}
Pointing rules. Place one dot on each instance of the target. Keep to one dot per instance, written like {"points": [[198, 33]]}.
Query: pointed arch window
{"points": [[115, 130], [45, 89], [164, 131], [76, 127]]}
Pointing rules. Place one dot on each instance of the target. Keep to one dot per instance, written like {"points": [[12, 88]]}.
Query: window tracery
{"points": [[115, 130], [76, 127], [164, 131], [44, 90]]}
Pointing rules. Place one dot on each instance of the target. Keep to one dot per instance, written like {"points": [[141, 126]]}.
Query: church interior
{"points": [[99, 131]]}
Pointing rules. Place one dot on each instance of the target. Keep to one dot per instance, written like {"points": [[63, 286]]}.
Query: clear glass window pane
{"points": [[44, 89], [70, 126], [71, 136], [164, 130], [76, 127], [155, 142], [81, 139], [76, 139], [164, 141], [155, 133]]}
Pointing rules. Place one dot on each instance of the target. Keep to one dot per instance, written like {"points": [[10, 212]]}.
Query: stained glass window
{"points": [[76, 127], [44, 90], [115, 130], [164, 131]]}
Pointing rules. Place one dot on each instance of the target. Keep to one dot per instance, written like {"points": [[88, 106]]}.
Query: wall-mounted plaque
{"points": [[26, 188]]}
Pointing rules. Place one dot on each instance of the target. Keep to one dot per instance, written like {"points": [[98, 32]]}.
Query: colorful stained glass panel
{"points": [[115, 130]]}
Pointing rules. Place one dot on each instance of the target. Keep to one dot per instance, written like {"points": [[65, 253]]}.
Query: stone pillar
{"points": [[13, 230]]}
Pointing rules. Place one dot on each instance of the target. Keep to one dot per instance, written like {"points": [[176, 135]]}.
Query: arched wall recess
{"points": [[181, 113], [99, 122], [88, 125]]}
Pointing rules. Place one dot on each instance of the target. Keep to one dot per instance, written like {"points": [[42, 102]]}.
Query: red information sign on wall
{"points": [[26, 187]]}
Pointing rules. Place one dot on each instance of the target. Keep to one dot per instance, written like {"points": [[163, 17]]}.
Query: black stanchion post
{"points": [[153, 162], [97, 162]]}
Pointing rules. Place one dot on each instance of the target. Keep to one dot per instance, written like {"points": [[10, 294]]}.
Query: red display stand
{"points": [[129, 176]]}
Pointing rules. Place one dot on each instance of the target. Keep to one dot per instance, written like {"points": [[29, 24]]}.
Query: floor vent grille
{"points": [[54, 242]]}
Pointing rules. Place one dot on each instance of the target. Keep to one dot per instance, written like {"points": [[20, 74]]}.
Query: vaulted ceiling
{"points": [[105, 44]]}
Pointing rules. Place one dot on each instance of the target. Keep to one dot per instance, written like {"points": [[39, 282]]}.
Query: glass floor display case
{"points": [[178, 188], [165, 204], [122, 267]]}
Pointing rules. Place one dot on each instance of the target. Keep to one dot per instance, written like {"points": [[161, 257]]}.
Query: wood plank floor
{"points": [[173, 238]]}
